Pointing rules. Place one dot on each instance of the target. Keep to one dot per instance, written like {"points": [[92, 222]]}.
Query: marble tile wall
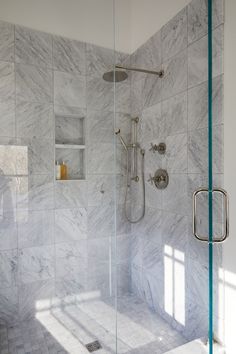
{"points": [[57, 239], [174, 110]]}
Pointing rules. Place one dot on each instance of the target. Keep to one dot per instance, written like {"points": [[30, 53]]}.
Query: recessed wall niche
{"points": [[70, 144]]}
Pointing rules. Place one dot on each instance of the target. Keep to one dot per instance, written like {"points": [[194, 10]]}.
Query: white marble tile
{"points": [[99, 251], [71, 259], [72, 194], [33, 47], [198, 18], [150, 126], [35, 228], [13, 159], [100, 189], [174, 36], [198, 148], [7, 118], [8, 268], [68, 55], [68, 290], [7, 86], [100, 94], [8, 230], [34, 120], [100, 60], [8, 189], [39, 155], [96, 165], [122, 97], [122, 224], [35, 297], [198, 104], [175, 75], [100, 127], [33, 84], [151, 90], [70, 224], [198, 58], [101, 221], [174, 231], [123, 122], [36, 263], [69, 89], [35, 192], [6, 41], [175, 159], [8, 305], [175, 195], [153, 291], [174, 113]]}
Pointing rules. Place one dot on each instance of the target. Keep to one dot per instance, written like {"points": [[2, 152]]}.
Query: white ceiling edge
{"points": [[92, 20]]}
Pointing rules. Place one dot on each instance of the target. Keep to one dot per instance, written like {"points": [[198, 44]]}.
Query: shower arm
{"points": [[158, 73]]}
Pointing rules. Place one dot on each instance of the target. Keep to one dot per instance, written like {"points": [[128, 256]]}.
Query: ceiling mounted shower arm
{"points": [[158, 73]]}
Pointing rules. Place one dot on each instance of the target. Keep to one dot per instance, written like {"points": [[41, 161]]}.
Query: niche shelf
{"points": [[70, 145]]}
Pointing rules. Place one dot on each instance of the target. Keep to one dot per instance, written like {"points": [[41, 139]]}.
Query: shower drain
{"points": [[94, 346]]}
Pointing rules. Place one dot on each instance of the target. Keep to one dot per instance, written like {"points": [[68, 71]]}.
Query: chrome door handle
{"points": [[226, 215]]}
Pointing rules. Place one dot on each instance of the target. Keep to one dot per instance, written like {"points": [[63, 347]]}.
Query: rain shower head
{"points": [[115, 76]]}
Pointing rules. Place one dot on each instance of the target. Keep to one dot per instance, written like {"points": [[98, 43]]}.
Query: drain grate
{"points": [[94, 346]]}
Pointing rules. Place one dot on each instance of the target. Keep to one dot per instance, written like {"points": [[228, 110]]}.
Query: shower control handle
{"points": [[161, 148]]}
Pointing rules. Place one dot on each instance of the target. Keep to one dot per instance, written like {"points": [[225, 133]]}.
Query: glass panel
{"points": [[57, 231]]}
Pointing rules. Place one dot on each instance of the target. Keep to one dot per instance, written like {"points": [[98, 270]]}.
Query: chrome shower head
{"points": [[115, 76]]}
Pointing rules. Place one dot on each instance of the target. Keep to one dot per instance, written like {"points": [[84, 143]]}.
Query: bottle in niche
{"points": [[64, 174], [58, 170]]}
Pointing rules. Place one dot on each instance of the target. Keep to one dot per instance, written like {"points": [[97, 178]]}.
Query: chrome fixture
{"points": [[226, 215], [160, 179], [161, 148], [120, 74], [132, 150]]}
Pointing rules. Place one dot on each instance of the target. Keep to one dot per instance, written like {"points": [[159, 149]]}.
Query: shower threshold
{"points": [[197, 347]]}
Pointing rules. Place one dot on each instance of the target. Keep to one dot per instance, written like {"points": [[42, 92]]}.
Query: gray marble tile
{"points": [[68, 290], [174, 113], [70, 130], [198, 148], [148, 56], [151, 90], [96, 165], [149, 226], [100, 280], [6, 41], [123, 122], [136, 250], [174, 36], [151, 124], [175, 196], [101, 221], [70, 224], [175, 159], [174, 231], [7, 89], [100, 59], [36, 264], [122, 97], [198, 58], [198, 18], [33, 47], [71, 259], [100, 127], [8, 305], [175, 75], [122, 224], [69, 89], [34, 120], [74, 160], [100, 189], [153, 161], [35, 192], [99, 251], [198, 104], [33, 84], [137, 281], [69, 55], [39, 156], [7, 118], [35, 228], [153, 195], [153, 290], [152, 254], [8, 189], [100, 94], [35, 297], [8, 268], [71, 194], [123, 280], [8, 227], [13, 159], [121, 249]]}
